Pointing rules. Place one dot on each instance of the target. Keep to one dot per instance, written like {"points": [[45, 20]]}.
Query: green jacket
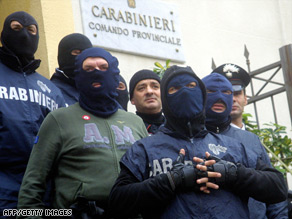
{"points": [[80, 153]]}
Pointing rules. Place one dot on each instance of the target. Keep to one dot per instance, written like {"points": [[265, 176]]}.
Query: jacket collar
{"points": [[12, 61], [177, 134], [61, 76], [218, 128]]}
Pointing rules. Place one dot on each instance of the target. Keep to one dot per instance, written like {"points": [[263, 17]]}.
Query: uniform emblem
{"points": [[217, 149], [43, 86], [121, 122], [132, 3], [86, 117], [229, 69]]}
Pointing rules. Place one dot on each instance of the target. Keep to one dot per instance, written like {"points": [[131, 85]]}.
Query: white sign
{"points": [[145, 27]]}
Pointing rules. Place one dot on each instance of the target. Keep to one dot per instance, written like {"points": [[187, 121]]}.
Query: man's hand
{"points": [[227, 169], [205, 182], [190, 177]]}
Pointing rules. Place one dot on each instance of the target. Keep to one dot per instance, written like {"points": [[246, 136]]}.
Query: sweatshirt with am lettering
{"points": [[81, 154]]}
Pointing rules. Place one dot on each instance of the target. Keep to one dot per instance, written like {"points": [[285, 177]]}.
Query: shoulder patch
{"points": [[86, 117]]}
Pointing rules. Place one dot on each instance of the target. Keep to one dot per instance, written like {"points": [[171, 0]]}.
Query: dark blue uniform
{"points": [[255, 151], [26, 98], [67, 87], [219, 122], [150, 157]]}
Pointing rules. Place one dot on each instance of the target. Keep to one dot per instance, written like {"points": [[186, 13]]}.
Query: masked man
{"points": [[69, 47], [218, 119], [26, 97], [80, 146]]}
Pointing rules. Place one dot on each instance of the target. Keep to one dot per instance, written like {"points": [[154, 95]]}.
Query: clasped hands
{"points": [[207, 174]]}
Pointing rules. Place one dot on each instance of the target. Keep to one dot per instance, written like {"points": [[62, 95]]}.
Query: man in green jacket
{"points": [[79, 147]]}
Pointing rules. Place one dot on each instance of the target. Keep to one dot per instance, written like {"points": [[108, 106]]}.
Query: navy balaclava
{"points": [[21, 43], [218, 83], [100, 101], [184, 110], [69, 43], [185, 95], [123, 95]]}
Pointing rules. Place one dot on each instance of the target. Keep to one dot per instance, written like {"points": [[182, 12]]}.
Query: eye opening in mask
{"points": [[121, 86], [228, 92], [75, 52], [174, 89], [209, 91], [92, 63], [191, 85], [16, 26]]}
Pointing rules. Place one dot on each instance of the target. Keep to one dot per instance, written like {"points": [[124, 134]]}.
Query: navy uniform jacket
{"points": [[255, 151], [67, 87], [26, 97]]}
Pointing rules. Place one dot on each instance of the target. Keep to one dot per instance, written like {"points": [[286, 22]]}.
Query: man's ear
{"points": [[245, 100], [132, 101]]}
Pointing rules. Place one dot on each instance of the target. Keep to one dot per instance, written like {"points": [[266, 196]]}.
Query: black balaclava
{"points": [[99, 101], [187, 124], [65, 59], [217, 83], [123, 95], [21, 43]]}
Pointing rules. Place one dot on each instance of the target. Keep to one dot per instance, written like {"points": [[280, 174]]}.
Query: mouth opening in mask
{"points": [[96, 84], [219, 107]]}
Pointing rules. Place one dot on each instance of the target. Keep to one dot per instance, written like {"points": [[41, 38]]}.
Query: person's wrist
{"points": [[171, 181]]}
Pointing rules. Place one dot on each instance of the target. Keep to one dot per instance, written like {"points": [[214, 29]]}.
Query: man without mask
{"points": [[26, 99], [154, 177], [145, 95], [81, 145], [218, 108], [69, 47]]}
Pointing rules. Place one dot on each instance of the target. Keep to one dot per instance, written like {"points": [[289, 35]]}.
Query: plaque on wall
{"points": [[144, 27]]}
